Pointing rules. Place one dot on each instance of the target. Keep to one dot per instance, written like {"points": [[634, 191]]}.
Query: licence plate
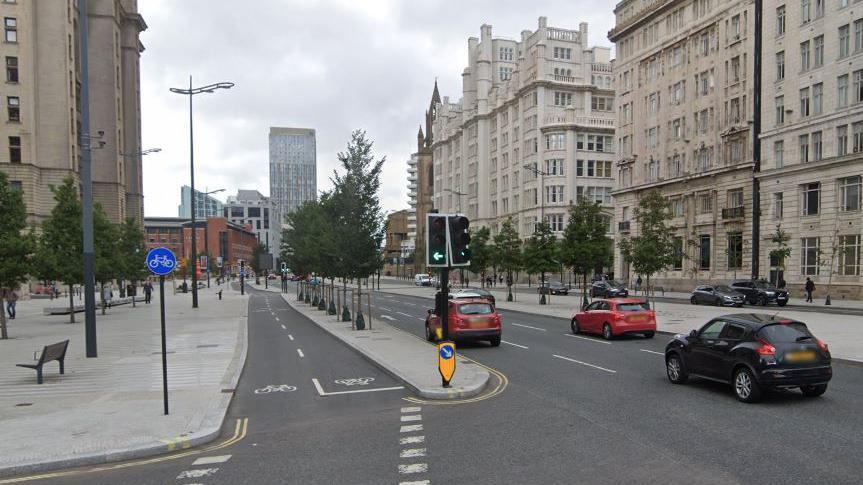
{"points": [[801, 356], [479, 322], [637, 318]]}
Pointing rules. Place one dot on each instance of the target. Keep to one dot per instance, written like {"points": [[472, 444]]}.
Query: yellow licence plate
{"points": [[800, 356], [637, 318]]}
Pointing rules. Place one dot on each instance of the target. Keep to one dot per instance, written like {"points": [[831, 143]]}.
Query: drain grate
{"points": [[23, 404]]}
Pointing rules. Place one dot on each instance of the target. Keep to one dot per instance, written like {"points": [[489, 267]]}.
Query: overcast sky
{"points": [[331, 65]]}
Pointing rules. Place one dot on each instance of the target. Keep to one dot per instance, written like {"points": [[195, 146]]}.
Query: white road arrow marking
{"points": [[387, 317]]}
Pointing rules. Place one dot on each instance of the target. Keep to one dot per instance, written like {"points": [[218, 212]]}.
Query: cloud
{"points": [[331, 65]]}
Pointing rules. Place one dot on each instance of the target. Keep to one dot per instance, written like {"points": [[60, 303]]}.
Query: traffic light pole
{"points": [[444, 302]]}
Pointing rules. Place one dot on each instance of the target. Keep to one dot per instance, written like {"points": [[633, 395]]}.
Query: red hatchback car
{"points": [[614, 317], [469, 319]]}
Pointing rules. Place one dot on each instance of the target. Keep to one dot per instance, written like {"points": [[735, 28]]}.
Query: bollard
{"points": [[220, 294]]}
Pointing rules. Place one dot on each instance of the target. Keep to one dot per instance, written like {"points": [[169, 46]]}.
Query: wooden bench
{"points": [[49, 353]]}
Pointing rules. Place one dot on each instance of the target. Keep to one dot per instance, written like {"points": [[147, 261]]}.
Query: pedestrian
{"points": [[810, 287], [11, 300], [107, 295], [781, 284], [148, 292], [638, 284]]}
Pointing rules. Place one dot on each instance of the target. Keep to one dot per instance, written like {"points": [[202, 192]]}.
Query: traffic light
{"points": [[436, 241], [459, 240]]}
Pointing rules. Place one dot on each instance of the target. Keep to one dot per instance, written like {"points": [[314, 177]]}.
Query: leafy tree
{"points": [[107, 263], [16, 247], [257, 252], [480, 252], [60, 247], [585, 247], [507, 252], [654, 248], [541, 254], [782, 251], [131, 252]]}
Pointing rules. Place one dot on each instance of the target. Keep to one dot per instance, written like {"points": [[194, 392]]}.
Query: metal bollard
{"points": [[220, 294]]}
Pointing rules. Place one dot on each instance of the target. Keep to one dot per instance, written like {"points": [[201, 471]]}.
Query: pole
{"points": [[164, 346], [756, 140], [242, 277], [192, 197], [444, 302], [89, 255], [207, 247]]}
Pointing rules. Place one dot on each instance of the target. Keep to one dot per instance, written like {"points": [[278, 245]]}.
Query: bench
{"points": [[49, 353]]}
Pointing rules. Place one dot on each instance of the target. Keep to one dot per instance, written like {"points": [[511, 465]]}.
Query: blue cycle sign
{"points": [[161, 261]]}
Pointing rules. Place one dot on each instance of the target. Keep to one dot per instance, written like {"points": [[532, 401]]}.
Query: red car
{"points": [[469, 319], [614, 317]]}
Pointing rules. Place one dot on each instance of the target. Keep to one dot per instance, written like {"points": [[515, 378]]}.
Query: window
{"points": [[817, 146], [849, 255], [735, 198], [505, 54], [818, 51], [595, 194], [554, 194], [712, 329], [844, 41], [704, 252], [849, 194], [732, 332], [780, 20], [811, 198], [735, 250], [858, 35], [14, 149], [554, 166], [804, 102], [675, 166], [704, 45], [857, 133], [505, 73], [806, 11], [841, 140], [653, 137], [555, 141], [704, 204], [809, 252], [10, 25], [677, 207], [562, 53], [11, 69], [778, 205], [600, 103], [780, 65], [13, 105], [804, 148], [556, 222], [779, 153], [804, 56], [842, 91], [653, 170], [858, 86], [562, 98]]}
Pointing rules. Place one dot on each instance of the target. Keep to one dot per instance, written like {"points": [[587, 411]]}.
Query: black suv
{"points": [[554, 287], [608, 289], [753, 352], [760, 292]]}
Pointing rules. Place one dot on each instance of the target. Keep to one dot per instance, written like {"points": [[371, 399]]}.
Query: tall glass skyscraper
{"points": [[293, 168]]}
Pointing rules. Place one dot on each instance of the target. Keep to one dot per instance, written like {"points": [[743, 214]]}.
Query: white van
{"points": [[422, 279]]}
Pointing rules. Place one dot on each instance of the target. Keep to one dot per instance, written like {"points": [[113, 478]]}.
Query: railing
{"points": [[623, 226], [561, 34], [733, 212], [600, 67], [571, 118], [562, 79]]}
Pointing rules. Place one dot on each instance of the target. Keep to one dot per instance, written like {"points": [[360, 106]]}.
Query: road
{"points": [[576, 409]]}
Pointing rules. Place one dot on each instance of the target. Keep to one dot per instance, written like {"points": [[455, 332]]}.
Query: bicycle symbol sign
{"points": [[161, 261], [359, 381], [278, 388]]}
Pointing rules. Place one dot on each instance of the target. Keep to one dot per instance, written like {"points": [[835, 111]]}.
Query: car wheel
{"points": [[576, 329], [762, 300], [606, 332], [675, 370], [813, 391], [648, 334], [746, 388], [781, 303], [495, 342], [693, 300]]}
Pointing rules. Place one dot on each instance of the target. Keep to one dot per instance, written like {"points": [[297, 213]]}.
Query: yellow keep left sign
{"points": [[446, 361]]}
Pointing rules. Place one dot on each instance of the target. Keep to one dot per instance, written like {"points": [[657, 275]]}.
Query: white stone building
{"points": [[251, 208]]}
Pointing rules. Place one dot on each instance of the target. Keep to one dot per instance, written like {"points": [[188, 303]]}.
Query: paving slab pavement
{"points": [[110, 408]]}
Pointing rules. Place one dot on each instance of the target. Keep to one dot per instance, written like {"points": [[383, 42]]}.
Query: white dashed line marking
{"points": [[211, 460], [405, 314], [528, 326], [299, 351], [651, 351], [411, 428], [415, 468], [284, 328], [290, 336], [414, 409], [585, 363], [412, 453], [514, 345], [588, 338], [412, 417], [201, 472], [418, 482], [412, 440]]}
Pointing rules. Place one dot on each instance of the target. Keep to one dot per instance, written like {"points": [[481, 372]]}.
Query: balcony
{"points": [[562, 79], [623, 226], [730, 213], [601, 68], [570, 117]]}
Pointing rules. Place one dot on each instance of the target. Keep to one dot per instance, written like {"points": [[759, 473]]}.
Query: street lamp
{"points": [[191, 92], [137, 155], [459, 194], [207, 235], [539, 172]]}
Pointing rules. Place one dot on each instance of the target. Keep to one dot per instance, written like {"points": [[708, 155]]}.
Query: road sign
{"points": [[284, 267], [446, 361], [219, 261], [204, 262], [161, 261]]}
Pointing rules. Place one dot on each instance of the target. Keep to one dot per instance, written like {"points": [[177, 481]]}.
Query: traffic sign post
{"points": [[446, 361], [161, 261]]}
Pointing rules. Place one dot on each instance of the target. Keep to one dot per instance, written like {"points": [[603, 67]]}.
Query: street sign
{"points": [[219, 261], [204, 262], [284, 267], [161, 261], [446, 361]]}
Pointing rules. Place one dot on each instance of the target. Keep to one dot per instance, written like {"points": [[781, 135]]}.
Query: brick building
{"points": [[233, 242]]}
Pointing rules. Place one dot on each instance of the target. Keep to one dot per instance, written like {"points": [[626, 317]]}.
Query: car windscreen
{"points": [[475, 309], [633, 307], [762, 285], [614, 283], [784, 332], [724, 289]]}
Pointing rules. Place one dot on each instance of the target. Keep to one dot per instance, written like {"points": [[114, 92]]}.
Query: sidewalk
{"points": [[843, 333], [402, 355], [110, 408]]}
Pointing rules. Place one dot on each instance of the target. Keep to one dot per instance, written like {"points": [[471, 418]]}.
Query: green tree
{"points": [[107, 262], [585, 247], [16, 246], [131, 253], [480, 252], [507, 252], [255, 263], [782, 251], [654, 248], [541, 255], [60, 247]]}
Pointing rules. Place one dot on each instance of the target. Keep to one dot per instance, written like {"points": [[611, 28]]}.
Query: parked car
{"points": [[470, 319], [719, 295], [422, 279], [760, 292], [754, 353], [611, 318], [608, 289], [553, 287], [474, 293]]}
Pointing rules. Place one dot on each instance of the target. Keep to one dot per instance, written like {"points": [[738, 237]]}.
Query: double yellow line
{"points": [[502, 383], [240, 430]]}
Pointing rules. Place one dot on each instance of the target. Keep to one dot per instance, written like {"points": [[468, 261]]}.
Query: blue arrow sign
{"points": [[446, 352], [161, 261]]}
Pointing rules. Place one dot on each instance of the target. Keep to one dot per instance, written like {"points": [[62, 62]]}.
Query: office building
{"points": [[251, 209], [293, 168], [223, 239], [205, 205]]}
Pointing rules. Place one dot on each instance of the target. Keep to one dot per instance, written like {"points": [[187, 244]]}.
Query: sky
{"points": [[331, 65]]}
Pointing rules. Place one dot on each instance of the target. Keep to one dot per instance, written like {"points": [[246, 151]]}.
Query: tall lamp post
{"points": [[541, 174], [207, 236], [191, 92], [136, 156]]}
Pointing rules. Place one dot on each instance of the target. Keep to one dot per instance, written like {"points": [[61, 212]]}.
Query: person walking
{"points": [[810, 287], [638, 284], [148, 292], [781, 284], [11, 301]]}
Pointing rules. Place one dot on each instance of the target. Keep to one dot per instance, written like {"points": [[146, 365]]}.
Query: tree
{"points": [[480, 252], [60, 247], [131, 253], [585, 247], [782, 251], [541, 254], [507, 252], [257, 252], [654, 248], [107, 263], [16, 246]]}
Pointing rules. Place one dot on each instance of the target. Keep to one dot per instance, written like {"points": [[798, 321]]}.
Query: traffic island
{"points": [[404, 356]]}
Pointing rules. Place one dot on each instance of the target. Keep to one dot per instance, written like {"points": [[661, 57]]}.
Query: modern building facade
{"points": [[253, 210], [812, 143], [232, 242], [293, 168], [532, 133], [39, 136], [412, 200], [205, 205], [685, 77]]}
